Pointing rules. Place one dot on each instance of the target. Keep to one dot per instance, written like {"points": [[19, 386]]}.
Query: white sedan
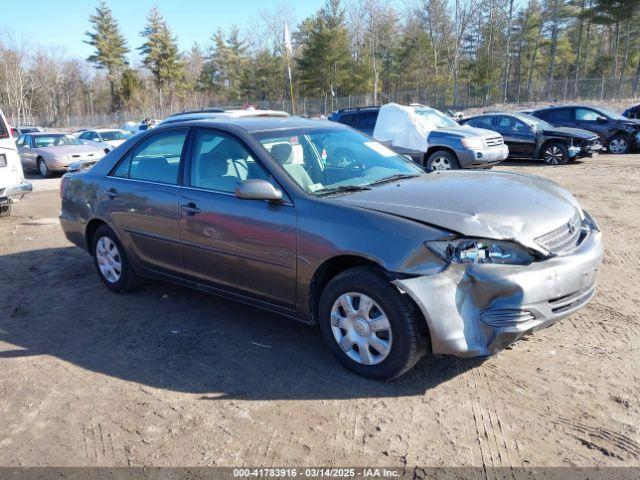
{"points": [[104, 138]]}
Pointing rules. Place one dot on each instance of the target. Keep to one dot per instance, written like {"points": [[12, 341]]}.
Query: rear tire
{"points": [[111, 261], [555, 153], [376, 335], [442, 160]]}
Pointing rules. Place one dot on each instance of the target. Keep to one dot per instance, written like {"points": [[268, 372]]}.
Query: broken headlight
{"points": [[588, 223], [477, 250]]}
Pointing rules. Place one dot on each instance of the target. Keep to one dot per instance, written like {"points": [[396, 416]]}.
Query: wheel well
{"points": [[327, 271], [552, 140], [92, 226], [621, 133], [431, 150], [333, 267]]}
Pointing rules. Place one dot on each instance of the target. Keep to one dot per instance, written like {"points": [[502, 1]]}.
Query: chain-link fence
{"points": [[466, 95]]}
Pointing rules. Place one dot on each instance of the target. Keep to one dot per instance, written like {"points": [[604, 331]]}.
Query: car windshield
{"points": [[55, 140], [436, 117], [530, 119], [115, 135], [329, 160], [609, 113]]}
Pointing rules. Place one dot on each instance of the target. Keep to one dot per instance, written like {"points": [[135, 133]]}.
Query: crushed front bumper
{"points": [[477, 310]]}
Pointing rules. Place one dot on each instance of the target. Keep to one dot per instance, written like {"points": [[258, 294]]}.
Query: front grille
{"points": [[561, 239], [493, 141]]}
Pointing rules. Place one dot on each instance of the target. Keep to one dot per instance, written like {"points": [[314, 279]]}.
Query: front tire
{"points": [[43, 168], [442, 160], [368, 325], [620, 144], [555, 153], [111, 261]]}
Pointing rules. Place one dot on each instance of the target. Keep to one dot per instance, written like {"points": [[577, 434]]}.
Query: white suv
{"points": [[12, 182]]}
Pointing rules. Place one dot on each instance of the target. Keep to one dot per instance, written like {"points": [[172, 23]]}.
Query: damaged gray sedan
{"points": [[389, 261]]}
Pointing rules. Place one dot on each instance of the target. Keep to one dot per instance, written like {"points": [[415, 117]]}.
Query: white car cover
{"points": [[403, 127]]}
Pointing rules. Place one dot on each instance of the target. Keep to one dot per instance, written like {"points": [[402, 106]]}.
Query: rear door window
{"points": [[481, 122], [155, 160], [557, 115], [347, 119], [367, 120]]}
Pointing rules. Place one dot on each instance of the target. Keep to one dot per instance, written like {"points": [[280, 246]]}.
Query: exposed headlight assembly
{"points": [[478, 250], [472, 142], [588, 223]]}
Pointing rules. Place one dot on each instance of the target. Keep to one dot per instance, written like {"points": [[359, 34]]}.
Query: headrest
{"points": [[282, 153]]}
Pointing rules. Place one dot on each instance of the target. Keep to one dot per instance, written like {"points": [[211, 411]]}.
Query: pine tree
{"points": [[160, 51], [110, 48], [325, 61]]}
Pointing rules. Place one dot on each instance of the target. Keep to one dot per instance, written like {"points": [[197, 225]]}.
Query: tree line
{"points": [[496, 49]]}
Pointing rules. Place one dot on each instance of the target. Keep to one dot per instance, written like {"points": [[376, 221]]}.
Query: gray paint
{"points": [[268, 253]]}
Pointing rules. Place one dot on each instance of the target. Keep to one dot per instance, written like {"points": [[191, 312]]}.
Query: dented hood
{"points": [[475, 204]]}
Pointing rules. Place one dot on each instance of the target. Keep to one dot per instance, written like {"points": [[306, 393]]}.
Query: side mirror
{"points": [[256, 189], [601, 120], [26, 147]]}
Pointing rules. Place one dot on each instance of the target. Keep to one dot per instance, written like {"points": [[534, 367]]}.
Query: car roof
{"points": [[258, 124], [44, 134], [350, 110], [197, 115]]}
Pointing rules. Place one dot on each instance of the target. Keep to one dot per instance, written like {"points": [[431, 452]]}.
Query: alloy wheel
{"points": [[440, 163], [618, 145], [361, 328], [109, 259], [553, 155]]}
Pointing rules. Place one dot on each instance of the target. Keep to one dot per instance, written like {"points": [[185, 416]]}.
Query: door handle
{"points": [[190, 209], [111, 193]]}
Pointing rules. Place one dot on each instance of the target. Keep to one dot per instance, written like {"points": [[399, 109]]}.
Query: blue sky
{"points": [[62, 23]]}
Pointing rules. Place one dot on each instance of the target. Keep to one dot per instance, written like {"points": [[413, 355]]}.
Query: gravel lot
{"points": [[169, 376]]}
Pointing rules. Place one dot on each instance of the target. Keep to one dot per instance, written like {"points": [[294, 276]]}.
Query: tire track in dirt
{"points": [[487, 415]]}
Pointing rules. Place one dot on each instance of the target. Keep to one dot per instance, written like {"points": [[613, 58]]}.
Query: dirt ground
{"points": [[168, 376]]}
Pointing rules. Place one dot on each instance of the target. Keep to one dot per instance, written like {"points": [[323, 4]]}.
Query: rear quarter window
{"points": [[556, 115], [481, 122]]}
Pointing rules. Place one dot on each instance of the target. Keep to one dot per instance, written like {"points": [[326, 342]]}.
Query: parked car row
{"points": [[617, 133], [530, 138], [555, 135], [431, 138], [51, 152]]}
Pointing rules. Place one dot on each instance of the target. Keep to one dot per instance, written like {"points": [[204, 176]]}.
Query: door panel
{"points": [[146, 217], [518, 136], [27, 155], [243, 245], [587, 120], [141, 199]]}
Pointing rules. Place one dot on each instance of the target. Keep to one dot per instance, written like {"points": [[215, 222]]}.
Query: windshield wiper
{"points": [[341, 189], [396, 176]]}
